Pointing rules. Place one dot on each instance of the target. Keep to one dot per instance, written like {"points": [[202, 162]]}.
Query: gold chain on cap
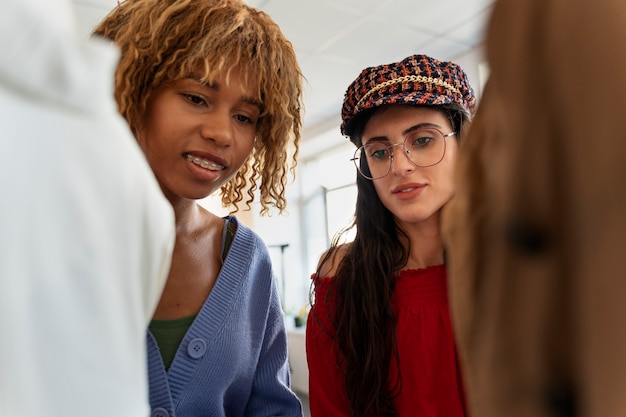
{"points": [[414, 78]]}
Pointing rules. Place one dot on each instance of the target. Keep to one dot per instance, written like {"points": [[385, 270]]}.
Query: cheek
{"points": [[448, 191], [140, 137], [249, 143], [379, 185], [157, 131], [447, 180], [381, 188], [250, 146], [145, 129]]}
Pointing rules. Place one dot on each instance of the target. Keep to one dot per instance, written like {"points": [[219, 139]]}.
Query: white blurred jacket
{"points": [[85, 233]]}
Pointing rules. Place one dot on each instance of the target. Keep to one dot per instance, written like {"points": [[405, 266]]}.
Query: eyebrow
{"points": [[420, 126], [215, 86], [405, 132]]}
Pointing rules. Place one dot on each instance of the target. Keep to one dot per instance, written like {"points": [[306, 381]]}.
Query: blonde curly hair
{"points": [[165, 40]]}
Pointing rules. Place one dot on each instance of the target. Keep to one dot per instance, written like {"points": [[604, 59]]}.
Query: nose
{"points": [[217, 127], [400, 162]]}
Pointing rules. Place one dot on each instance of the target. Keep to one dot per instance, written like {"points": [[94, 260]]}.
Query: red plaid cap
{"points": [[416, 80]]}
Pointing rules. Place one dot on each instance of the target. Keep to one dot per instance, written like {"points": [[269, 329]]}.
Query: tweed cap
{"points": [[416, 80]]}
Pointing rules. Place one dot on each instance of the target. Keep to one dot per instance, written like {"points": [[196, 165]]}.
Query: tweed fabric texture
{"points": [[416, 80]]}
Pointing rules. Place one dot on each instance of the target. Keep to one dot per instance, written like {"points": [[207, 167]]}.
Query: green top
{"points": [[169, 334]]}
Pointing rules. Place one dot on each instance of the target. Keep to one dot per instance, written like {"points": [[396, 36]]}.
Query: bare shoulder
{"points": [[331, 259]]}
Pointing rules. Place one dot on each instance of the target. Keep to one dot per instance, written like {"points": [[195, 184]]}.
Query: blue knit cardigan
{"points": [[233, 359]]}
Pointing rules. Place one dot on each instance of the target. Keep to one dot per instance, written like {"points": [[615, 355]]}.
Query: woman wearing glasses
{"points": [[379, 338]]}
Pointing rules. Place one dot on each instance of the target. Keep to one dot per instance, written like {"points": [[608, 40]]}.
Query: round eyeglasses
{"points": [[424, 147]]}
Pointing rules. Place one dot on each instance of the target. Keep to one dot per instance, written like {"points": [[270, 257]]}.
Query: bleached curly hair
{"points": [[165, 40]]}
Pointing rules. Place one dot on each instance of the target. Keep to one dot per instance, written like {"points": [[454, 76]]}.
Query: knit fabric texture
{"points": [[416, 80]]}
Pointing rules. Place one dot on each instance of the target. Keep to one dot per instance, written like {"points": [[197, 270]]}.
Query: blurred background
{"points": [[334, 41]]}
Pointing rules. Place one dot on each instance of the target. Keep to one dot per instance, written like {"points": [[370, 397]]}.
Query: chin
{"points": [[416, 216]]}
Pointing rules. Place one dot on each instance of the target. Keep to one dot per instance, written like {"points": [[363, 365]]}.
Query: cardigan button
{"points": [[196, 348], [159, 412]]}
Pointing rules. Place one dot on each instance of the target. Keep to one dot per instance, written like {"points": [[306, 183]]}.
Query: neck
{"points": [[192, 218], [426, 244]]}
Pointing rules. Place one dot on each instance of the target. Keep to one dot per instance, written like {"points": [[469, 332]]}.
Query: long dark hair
{"points": [[361, 310]]}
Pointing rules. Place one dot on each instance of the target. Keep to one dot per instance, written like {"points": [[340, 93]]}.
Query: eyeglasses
{"points": [[423, 147]]}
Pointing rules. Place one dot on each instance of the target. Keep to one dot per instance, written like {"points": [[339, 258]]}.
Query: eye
{"points": [[194, 99], [377, 151], [421, 139], [245, 119]]}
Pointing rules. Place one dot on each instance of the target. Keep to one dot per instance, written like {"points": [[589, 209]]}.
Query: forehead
{"points": [[395, 120], [238, 76]]}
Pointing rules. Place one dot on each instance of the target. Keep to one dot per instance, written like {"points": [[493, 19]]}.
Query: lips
{"points": [[406, 188], [205, 163], [407, 192]]}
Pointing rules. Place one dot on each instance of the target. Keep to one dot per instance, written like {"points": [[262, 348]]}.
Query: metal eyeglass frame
{"points": [[355, 159]]}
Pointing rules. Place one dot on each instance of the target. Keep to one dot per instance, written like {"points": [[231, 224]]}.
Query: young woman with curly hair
{"points": [[211, 89]]}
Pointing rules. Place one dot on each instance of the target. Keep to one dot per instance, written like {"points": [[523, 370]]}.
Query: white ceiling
{"points": [[336, 39]]}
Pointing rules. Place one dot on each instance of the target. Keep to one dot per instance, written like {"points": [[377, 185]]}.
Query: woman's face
{"points": [[413, 194], [196, 136]]}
